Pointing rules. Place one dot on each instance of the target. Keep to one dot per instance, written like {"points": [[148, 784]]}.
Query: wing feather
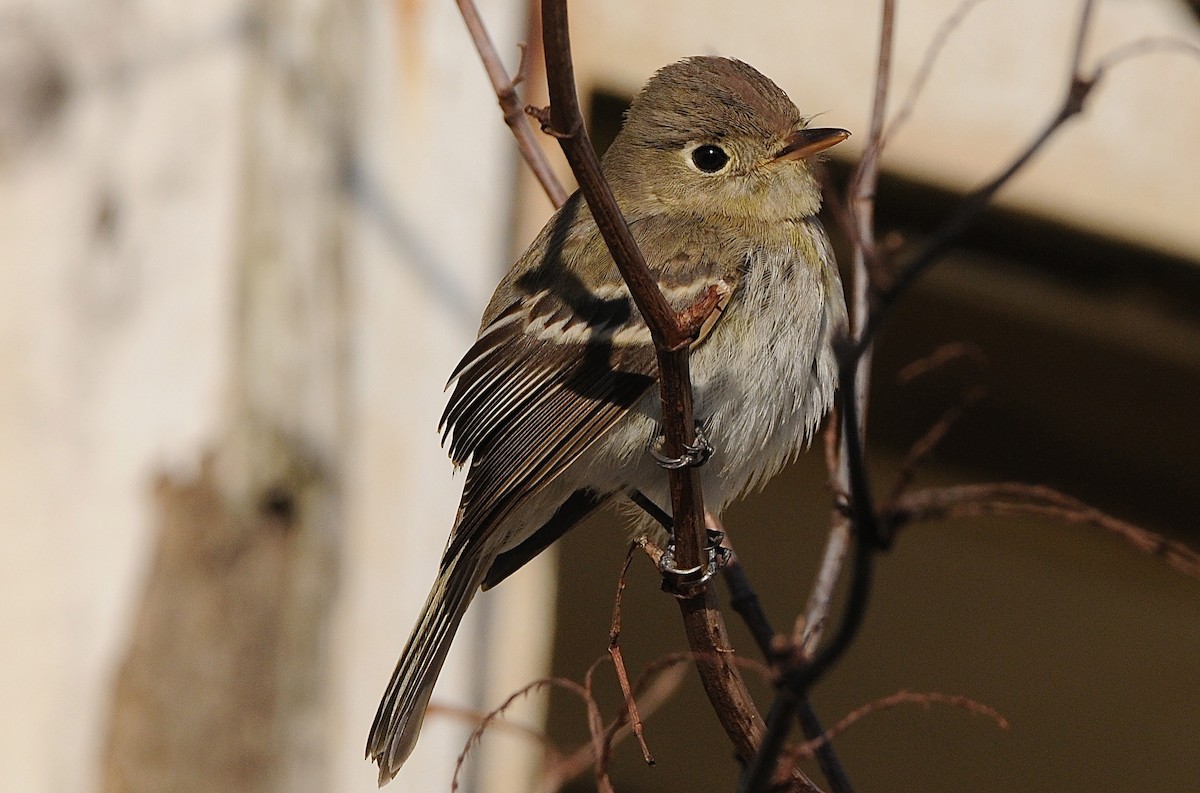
{"points": [[554, 370]]}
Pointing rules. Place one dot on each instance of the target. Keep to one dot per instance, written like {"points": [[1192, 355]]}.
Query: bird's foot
{"points": [[695, 454], [678, 581]]}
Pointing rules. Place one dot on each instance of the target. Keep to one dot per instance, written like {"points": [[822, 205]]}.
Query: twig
{"points": [[862, 510], [863, 513], [477, 733], [1145, 46], [863, 516], [854, 379], [974, 707], [861, 206], [925, 445], [862, 190], [614, 650], [943, 355], [1078, 89], [1016, 498], [931, 55], [652, 689], [510, 103], [596, 730], [476, 717], [654, 686], [744, 600]]}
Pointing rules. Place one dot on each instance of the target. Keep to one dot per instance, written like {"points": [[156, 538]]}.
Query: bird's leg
{"points": [[656, 512], [695, 454], [717, 554]]}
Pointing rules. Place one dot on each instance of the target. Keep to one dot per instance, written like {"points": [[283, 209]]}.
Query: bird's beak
{"points": [[807, 142]]}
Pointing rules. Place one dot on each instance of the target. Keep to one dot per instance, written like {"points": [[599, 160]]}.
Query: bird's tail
{"points": [[402, 709]]}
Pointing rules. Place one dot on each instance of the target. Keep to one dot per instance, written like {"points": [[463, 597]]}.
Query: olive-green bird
{"points": [[556, 406]]}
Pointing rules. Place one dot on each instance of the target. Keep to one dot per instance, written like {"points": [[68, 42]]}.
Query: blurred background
{"points": [[242, 244]]}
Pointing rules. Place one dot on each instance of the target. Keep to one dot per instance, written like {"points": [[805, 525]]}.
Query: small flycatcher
{"points": [[556, 406]]}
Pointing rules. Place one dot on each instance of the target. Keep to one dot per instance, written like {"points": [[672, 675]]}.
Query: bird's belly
{"points": [[763, 386]]}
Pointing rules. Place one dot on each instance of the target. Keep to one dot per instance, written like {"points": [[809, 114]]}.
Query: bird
{"points": [[555, 408]]}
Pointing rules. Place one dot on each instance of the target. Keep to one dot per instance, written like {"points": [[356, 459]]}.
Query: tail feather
{"points": [[402, 709]]}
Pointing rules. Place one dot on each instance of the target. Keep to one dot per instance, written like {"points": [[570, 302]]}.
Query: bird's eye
{"points": [[709, 158]]}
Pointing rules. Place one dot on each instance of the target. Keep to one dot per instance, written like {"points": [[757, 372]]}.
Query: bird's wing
{"points": [[555, 369]]}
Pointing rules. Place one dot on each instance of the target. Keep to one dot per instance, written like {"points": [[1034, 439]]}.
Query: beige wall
{"points": [[1129, 168], [124, 200]]}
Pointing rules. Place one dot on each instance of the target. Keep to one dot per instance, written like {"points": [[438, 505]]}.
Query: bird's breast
{"points": [[765, 377]]}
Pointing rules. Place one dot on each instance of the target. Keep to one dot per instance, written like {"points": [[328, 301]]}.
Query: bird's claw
{"points": [[677, 581], [695, 454]]}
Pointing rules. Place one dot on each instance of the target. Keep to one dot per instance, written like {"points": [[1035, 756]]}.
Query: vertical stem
{"points": [[862, 207]]}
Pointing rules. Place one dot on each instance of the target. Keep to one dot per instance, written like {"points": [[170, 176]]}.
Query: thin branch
{"points": [[936, 44], [1079, 87], [653, 688], [477, 734], [861, 209], [510, 103], [475, 717], [614, 650], [866, 522], [941, 357], [1145, 46], [1081, 32], [864, 519], [1016, 498], [596, 730], [744, 600], [928, 700], [863, 183], [925, 445]]}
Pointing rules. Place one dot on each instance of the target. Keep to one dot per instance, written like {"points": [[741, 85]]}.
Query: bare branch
{"points": [[653, 688], [596, 730], [476, 717], [614, 650], [854, 379], [1079, 87], [510, 103], [925, 445], [932, 438], [1081, 32], [928, 700], [1142, 47], [744, 600], [1016, 498], [940, 357], [862, 190], [948, 26], [854, 357], [855, 387], [490, 718]]}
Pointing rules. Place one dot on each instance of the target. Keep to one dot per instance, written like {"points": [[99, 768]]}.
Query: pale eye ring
{"points": [[709, 158]]}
